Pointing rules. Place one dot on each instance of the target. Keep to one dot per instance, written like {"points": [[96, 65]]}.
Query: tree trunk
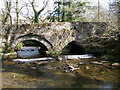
{"points": [[118, 16], [36, 18], [63, 16]]}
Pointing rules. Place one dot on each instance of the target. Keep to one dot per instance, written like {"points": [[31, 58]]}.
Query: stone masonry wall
{"points": [[85, 30], [60, 34]]}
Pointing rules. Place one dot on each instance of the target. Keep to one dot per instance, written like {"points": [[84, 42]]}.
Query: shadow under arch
{"points": [[35, 38], [73, 48]]}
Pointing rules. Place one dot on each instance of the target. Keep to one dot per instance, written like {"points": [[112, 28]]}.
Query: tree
{"points": [[115, 7], [8, 27], [78, 9], [92, 14], [67, 11], [6, 20], [37, 13], [6, 13]]}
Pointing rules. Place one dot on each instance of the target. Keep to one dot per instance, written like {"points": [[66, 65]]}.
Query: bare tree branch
{"points": [[32, 3], [37, 13], [45, 4]]}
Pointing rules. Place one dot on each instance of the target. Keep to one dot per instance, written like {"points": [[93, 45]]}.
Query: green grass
{"points": [[53, 53]]}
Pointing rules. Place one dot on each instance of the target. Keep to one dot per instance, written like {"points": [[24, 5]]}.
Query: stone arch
{"points": [[38, 38]]}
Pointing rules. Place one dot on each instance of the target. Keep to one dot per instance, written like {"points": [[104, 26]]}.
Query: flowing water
{"points": [[28, 52], [57, 74]]}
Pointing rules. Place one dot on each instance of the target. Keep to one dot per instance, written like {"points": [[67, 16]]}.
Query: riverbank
{"points": [[104, 47]]}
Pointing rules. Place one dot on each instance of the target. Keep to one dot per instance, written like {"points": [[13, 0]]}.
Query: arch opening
{"points": [[73, 48], [31, 43], [34, 43], [30, 49]]}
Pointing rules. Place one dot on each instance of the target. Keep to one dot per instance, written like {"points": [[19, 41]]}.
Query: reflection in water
{"points": [[109, 86], [28, 52]]}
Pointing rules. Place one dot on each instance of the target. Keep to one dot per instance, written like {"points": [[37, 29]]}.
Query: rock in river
{"points": [[115, 64], [96, 62], [72, 68]]}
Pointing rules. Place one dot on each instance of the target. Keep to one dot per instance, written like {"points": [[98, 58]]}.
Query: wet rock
{"points": [[80, 63], [96, 66], [59, 58], [87, 68], [66, 71], [14, 76], [100, 63], [75, 65], [34, 68], [51, 67], [74, 69], [115, 64], [104, 61], [96, 62], [41, 63], [59, 67], [70, 67], [110, 67], [106, 64], [41, 68], [20, 62]]}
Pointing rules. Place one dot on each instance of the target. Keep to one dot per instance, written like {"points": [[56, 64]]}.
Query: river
{"points": [[28, 52], [56, 74]]}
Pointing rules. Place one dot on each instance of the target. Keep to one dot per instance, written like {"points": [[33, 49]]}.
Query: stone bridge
{"points": [[55, 36]]}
